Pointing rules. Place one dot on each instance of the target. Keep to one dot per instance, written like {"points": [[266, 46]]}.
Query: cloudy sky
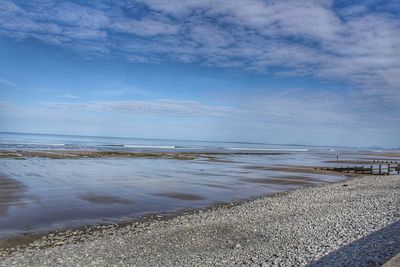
{"points": [[316, 72]]}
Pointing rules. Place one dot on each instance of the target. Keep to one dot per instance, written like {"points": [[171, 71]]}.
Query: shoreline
{"points": [[27, 240], [197, 219], [27, 233]]}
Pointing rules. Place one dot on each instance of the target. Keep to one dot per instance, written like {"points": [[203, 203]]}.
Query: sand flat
{"points": [[282, 180], [11, 193], [180, 196], [105, 199]]}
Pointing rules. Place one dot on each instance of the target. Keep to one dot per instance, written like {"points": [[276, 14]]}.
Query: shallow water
{"points": [[52, 194]]}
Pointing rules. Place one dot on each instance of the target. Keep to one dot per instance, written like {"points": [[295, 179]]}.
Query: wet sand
{"points": [[104, 199], [180, 196], [298, 169], [11, 193], [62, 154], [76, 192], [78, 188], [365, 162], [73, 154], [384, 154], [282, 180]]}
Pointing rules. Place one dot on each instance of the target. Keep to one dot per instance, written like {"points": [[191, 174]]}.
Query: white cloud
{"points": [[354, 10], [297, 38], [8, 107], [157, 107], [293, 107], [68, 96], [145, 27], [299, 107], [6, 83]]}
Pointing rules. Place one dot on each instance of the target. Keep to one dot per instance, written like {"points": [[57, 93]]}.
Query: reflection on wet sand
{"points": [[11, 193], [282, 180], [294, 169], [180, 196], [366, 162], [73, 192], [385, 154], [214, 185], [105, 199]]}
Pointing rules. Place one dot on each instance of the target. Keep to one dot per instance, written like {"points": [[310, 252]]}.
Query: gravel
{"points": [[350, 223]]}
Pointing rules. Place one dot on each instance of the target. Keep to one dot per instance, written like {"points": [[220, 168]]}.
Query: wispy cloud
{"points": [[68, 96], [293, 107], [157, 107], [7, 106], [7, 84], [353, 43], [302, 108]]}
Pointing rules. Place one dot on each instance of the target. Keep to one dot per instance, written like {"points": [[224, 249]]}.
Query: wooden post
{"points": [[388, 169], [380, 169], [362, 169], [371, 169]]}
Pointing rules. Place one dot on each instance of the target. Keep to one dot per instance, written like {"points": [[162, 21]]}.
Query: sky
{"points": [[291, 72]]}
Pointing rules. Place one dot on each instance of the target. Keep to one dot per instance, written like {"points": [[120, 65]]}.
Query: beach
{"points": [[348, 223], [48, 190], [91, 201]]}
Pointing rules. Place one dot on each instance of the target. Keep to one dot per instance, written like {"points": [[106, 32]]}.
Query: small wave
{"points": [[149, 146], [269, 149], [140, 146], [30, 144]]}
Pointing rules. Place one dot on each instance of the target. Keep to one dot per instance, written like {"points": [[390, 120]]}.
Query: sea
{"points": [[30, 141]]}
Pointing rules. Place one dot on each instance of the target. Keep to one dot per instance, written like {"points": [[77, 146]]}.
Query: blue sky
{"points": [[311, 72]]}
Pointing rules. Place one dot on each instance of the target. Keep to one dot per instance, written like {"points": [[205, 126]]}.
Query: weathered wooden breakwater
{"points": [[381, 169]]}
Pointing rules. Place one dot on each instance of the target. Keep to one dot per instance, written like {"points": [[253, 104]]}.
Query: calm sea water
{"points": [[40, 194], [26, 141]]}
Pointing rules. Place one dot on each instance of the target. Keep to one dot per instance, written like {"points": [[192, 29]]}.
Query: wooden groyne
{"points": [[386, 161], [381, 169]]}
